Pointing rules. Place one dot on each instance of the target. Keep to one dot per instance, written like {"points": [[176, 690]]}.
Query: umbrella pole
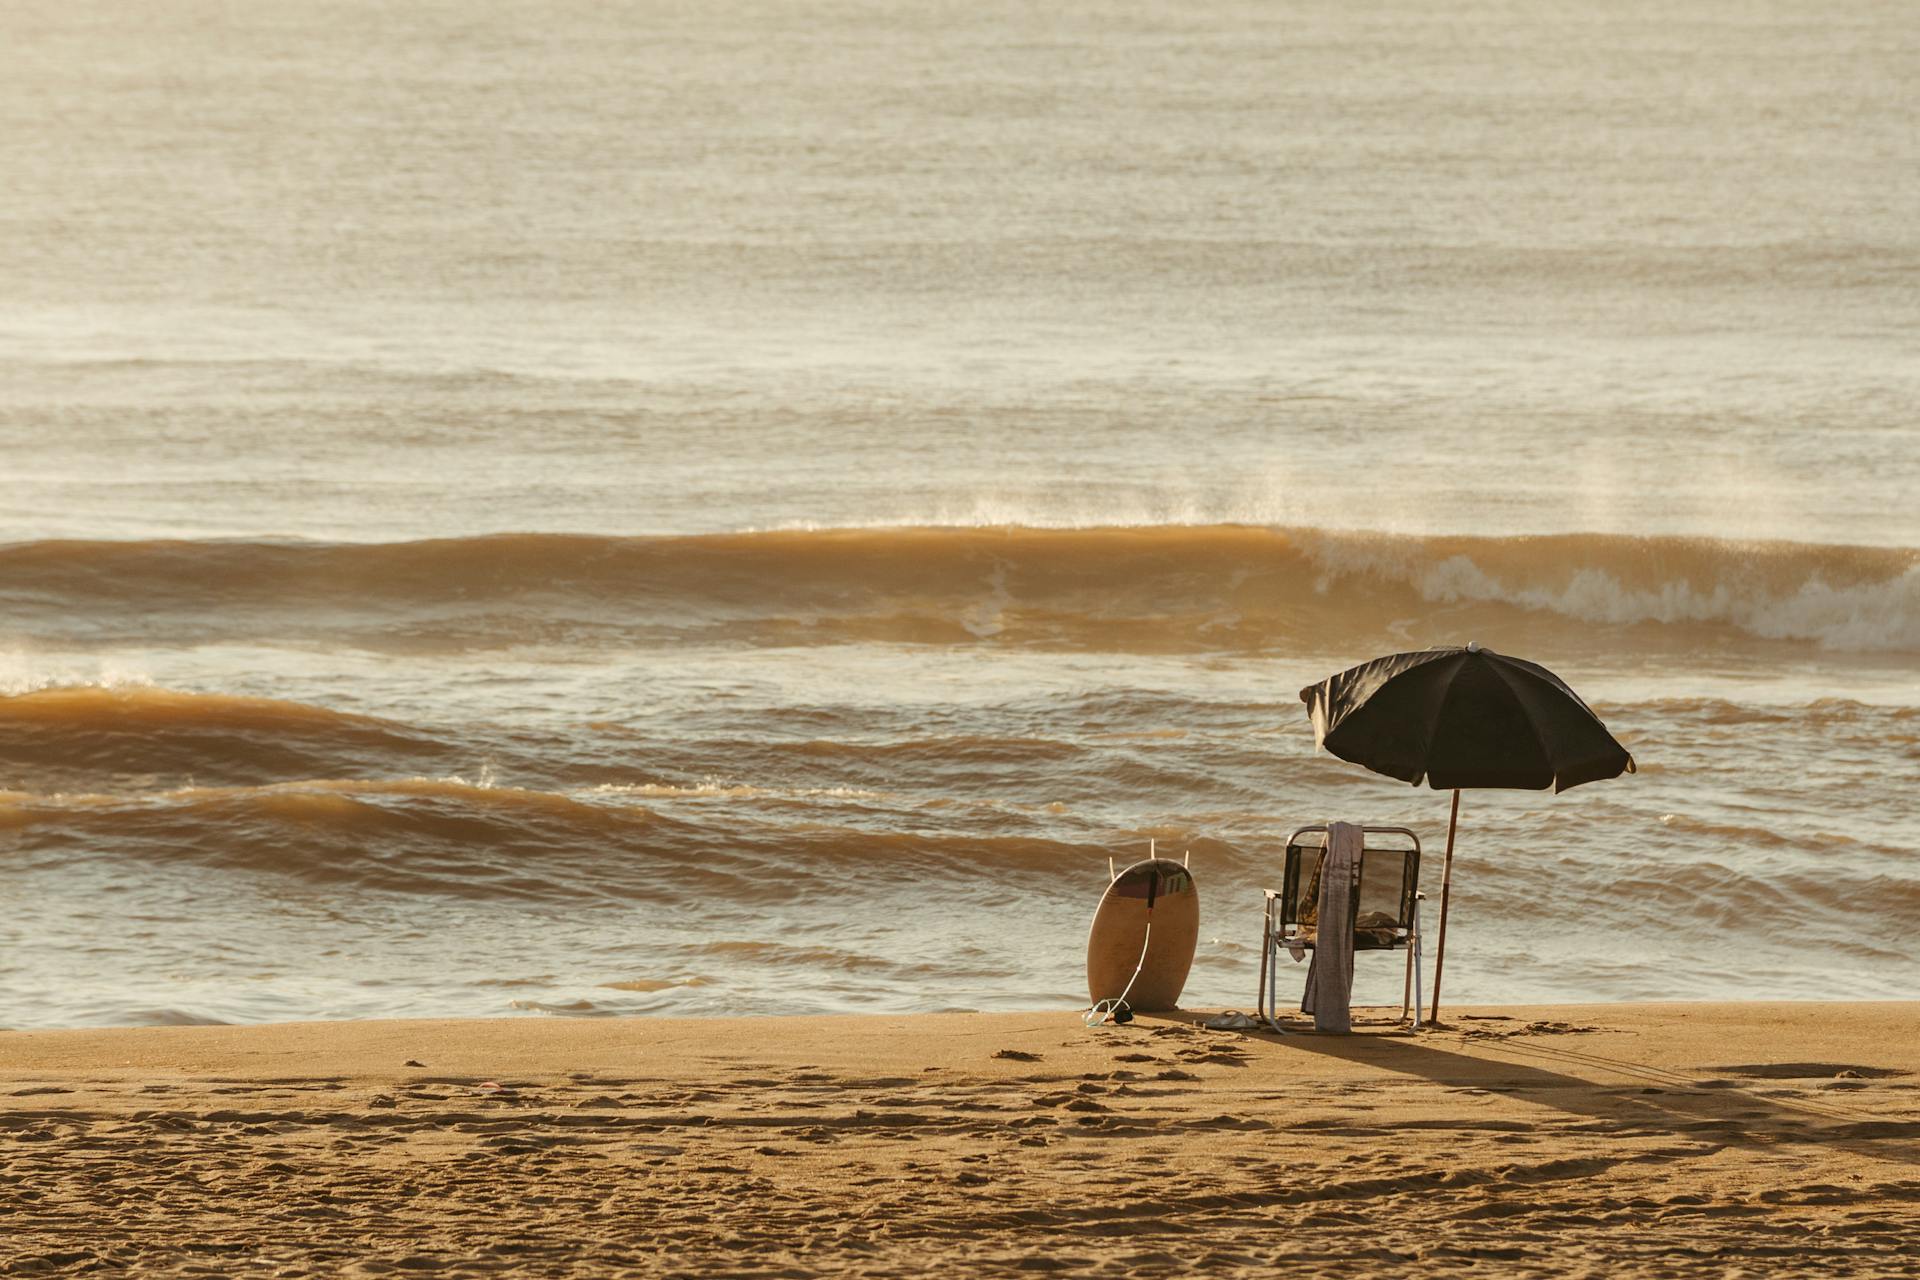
{"points": [[1446, 888]]}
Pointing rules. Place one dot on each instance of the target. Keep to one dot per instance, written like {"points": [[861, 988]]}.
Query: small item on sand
{"points": [[1231, 1020], [411, 1062]]}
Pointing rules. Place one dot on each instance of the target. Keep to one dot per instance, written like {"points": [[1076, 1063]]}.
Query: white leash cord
{"points": [[1103, 1010]]}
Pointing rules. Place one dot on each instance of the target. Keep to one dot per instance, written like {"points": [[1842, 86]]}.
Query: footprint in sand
{"points": [[1220, 1057]]}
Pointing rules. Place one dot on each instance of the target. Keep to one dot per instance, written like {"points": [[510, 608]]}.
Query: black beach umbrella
{"points": [[1461, 717]]}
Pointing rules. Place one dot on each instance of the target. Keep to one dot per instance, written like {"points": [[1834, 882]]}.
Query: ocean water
{"points": [[746, 508]]}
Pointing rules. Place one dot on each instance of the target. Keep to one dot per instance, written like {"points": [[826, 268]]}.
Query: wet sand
{"points": [[1637, 1140]]}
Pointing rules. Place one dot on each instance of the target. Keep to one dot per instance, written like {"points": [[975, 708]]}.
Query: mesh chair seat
{"points": [[1372, 931]]}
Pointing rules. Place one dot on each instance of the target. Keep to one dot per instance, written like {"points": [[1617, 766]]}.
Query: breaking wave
{"points": [[1150, 589]]}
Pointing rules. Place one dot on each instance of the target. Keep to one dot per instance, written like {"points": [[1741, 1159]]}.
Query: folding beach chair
{"points": [[1385, 908]]}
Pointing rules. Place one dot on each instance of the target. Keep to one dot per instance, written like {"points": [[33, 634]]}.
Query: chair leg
{"points": [[1267, 1006], [1406, 988], [1272, 1010], [1266, 957], [1418, 957], [1270, 998]]}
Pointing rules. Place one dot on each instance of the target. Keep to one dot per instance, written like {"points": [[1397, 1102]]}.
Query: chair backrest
{"points": [[1389, 878]]}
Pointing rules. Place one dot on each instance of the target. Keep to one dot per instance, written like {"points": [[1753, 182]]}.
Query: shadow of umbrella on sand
{"points": [[1460, 717]]}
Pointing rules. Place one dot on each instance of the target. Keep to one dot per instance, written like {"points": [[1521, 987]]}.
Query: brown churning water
{"points": [[749, 507]]}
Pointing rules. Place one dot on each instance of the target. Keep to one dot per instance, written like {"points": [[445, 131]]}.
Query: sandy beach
{"points": [[1642, 1140]]}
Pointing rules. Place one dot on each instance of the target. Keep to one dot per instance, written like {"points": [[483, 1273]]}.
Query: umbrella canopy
{"points": [[1457, 717], [1463, 716]]}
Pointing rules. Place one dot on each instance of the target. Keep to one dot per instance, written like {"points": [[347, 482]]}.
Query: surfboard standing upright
{"points": [[1141, 944]]}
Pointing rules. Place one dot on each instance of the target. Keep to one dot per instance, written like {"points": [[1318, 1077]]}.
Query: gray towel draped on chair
{"points": [[1329, 993]]}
